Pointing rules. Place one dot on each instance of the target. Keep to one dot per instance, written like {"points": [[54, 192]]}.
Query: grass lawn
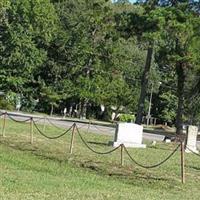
{"points": [[46, 170]]}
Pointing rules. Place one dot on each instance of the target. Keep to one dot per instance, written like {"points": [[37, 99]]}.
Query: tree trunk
{"points": [[51, 113], [180, 93], [144, 83], [84, 109]]}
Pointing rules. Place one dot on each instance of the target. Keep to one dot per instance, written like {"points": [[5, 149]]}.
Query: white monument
{"points": [[129, 134], [191, 139]]}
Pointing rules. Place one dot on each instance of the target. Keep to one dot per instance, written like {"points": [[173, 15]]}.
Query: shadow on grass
{"points": [[127, 175], [115, 171], [163, 146], [34, 150], [138, 176], [99, 143], [193, 167]]}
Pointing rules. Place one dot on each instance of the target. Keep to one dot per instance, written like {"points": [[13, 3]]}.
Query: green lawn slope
{"points": [[46, 170]]}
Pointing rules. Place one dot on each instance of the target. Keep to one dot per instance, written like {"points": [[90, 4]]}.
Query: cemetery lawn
{"points": [[46, 170]]}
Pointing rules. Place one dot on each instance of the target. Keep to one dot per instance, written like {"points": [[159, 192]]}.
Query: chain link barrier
{"points": [[50, 122], [197, 154], [91, 149], [89, 126], [84, 126], [101, 129], [39, 119], [49, 137], [155, 165], [18, 121], [1, 114]]}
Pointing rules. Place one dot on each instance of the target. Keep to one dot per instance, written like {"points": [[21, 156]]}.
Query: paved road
{"points": [[99, 129], [95, 128]]}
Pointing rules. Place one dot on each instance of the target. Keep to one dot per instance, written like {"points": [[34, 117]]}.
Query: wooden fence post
{"points": [[4, 125], [31, 130], [72, 139], [182, 163], [122, 154]]}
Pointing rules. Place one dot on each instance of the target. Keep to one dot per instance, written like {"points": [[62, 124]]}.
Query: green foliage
{"points": [[126, 118], [28, 27], [106, 63], [169, 107], [29, 171], [92, 53], [49, 97], [5, 105]]}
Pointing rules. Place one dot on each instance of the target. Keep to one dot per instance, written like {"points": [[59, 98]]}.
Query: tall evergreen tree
{"points": [[28, 29]]}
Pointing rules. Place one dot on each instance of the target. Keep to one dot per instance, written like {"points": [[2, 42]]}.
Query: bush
{"points": [[127, 118], [5, 105]]}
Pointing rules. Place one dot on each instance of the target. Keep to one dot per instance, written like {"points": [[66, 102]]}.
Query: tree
{"points": [[179, 33], [50, 97], [28, 29], [144, 24], [168, 105], [95, 55]]}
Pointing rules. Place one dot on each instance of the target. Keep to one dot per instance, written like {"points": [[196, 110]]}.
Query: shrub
{"points": [[127, 118], [5, 105]]}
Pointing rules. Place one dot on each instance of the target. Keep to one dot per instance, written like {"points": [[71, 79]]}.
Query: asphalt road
{"points": [[95, 128], [99, 129]]}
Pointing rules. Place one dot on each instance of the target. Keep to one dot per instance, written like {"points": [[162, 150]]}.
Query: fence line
{"points": [[94, 151], [53, 123], [18, 121], [49, 137], [197, 154], [88, 125], [123, 148], [155, 165], [101, 129], [85, 125], [1, 114], [39, 119]]}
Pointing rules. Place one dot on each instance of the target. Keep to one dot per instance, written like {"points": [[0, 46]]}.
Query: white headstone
{"points": [[129, 134], [167, 141], [191, 139]]}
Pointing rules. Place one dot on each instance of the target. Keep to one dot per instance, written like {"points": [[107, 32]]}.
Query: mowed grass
{"points": [[46, 170]]}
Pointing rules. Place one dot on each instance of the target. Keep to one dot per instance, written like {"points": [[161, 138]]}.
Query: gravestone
{"points": [[191, 139], [129, 134]]}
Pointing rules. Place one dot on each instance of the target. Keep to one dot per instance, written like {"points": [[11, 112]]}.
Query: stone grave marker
{"points": [[129, 134], [191, 139]]}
